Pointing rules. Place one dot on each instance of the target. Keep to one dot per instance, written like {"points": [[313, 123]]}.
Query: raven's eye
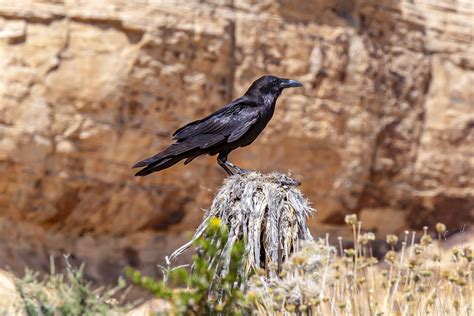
{"points": [[275, 81]]}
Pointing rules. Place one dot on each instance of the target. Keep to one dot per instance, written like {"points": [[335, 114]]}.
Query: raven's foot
{"points": [[240, 170], [237, 169]]}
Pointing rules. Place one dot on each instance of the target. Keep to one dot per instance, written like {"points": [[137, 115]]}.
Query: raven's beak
{"points": [[289, 83]]}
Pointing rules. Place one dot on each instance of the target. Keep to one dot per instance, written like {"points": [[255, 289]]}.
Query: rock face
{"points": [[383, 126]]}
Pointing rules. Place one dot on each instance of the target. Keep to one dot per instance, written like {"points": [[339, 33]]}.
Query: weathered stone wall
{"points": [[383, 126]]}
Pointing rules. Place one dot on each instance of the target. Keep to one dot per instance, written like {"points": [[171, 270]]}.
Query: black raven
{"points": [[235, 125]]}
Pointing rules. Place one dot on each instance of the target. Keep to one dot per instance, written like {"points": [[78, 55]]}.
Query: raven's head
{"points": [[272, 85]]}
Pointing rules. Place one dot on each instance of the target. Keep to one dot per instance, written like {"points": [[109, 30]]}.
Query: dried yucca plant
{"points": [[267, 212]]}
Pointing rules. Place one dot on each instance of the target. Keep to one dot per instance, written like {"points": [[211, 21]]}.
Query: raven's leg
{"points": [[224, 163], [222, 160]]}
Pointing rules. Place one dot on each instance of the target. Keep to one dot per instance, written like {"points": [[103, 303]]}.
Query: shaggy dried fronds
{"points": [[267, 212]]}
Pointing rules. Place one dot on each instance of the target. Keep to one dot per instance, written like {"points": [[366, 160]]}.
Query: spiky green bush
{"points": [[210, 286]]}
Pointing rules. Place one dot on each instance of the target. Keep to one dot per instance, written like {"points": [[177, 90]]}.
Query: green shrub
{"points": [[211, 287], [68, 294]]}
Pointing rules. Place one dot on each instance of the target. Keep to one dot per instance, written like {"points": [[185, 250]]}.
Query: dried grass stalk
{"points": [[267, 212]]}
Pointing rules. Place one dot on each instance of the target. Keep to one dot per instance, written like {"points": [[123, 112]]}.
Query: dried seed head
{"points": [[392, 240], [290, 307], [421, 288], [373, 261], [426, 240], [390, 256], [461, 282], [351, 219], [314, 301], [468, 254], [365, 238], [456, 251], [436, 258], [350, 252], [440, 228], [417, 249], [445, 275], [347, 261], [416, 278], [360, 280], [456, 304], [412, 264], [370, 236]]}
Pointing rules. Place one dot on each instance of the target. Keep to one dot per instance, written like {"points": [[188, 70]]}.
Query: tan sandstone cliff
{"points": [[383, 126]]}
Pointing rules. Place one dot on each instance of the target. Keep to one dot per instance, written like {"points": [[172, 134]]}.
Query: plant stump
{"points": [[267, 212]]}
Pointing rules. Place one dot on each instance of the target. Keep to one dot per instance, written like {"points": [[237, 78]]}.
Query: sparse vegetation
{"points": [[320, 280], [67, 294]]}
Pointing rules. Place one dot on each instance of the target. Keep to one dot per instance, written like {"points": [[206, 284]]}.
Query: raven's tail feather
{"points": [[158, 165], [165, 159]]}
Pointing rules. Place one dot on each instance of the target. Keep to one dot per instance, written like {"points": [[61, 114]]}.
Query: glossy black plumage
{"points": [[237, 124]]}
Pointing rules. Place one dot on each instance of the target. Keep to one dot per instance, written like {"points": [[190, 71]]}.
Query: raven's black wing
{"points": [[229, 123]]}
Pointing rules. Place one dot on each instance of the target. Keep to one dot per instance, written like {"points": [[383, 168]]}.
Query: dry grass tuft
{"points": [[67, 293], [414, 281]]}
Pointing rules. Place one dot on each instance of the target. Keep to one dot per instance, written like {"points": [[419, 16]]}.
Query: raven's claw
{"points": [[240, 170]]}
